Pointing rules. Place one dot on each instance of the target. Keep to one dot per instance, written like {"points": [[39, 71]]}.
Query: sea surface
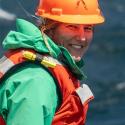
{"points": [[104, 62]]}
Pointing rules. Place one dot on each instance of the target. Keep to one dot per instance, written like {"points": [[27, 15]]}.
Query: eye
{"points": [[73, 27], [88, 28]]}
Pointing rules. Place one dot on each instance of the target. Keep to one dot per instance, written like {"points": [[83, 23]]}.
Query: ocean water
{"points": [[104, 62], [105, 66]]}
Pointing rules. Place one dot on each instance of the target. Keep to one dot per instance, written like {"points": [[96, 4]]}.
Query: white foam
{"points": [[6, 15], [120, 86]]}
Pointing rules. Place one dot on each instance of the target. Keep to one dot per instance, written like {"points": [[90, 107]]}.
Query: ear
{"points": [[50, 33]]}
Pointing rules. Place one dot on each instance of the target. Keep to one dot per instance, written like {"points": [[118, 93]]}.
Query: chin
{"points": [[77, 59]]}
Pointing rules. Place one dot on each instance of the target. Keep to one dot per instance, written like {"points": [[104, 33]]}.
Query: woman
{"points": [[40, 75]]}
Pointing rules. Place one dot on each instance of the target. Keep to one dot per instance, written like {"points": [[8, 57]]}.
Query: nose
{"points": [[81, 34]]}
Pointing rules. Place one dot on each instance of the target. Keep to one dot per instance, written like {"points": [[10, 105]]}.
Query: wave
{"points": [[6, 15]]}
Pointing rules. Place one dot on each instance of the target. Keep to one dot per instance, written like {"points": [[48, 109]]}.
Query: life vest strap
{"points": [[8, 60], [47, 61]]}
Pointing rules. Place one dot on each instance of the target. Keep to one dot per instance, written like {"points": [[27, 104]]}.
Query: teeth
{"points": [[77, 46]]}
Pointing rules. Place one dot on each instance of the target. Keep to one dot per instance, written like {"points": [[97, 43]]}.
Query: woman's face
{"points": [[76, 38]]}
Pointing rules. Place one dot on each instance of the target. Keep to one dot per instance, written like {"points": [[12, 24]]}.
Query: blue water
{"points": [[105, 61]]}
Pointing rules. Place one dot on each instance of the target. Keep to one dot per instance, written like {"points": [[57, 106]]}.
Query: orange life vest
{"points": [[74, 98]]}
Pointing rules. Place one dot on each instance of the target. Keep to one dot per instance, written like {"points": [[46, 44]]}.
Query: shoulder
{"points": [[31, 90], [29, 81], [29, 71]]}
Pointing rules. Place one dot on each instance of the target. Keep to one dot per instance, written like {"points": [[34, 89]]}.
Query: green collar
{"points": [[29, 36]]}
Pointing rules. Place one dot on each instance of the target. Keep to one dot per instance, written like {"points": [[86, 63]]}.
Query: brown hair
{"points": [[48, 25]]}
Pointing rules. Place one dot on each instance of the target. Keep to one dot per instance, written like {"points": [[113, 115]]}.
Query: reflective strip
{"points": [[85, 94], [5, 64]]}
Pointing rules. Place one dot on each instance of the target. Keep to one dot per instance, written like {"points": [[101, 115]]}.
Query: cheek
{"points": [[89, 36], [60, 37], [57, 38]]}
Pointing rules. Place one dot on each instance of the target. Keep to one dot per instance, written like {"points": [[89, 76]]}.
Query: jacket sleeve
{"points": [[29, 97]]}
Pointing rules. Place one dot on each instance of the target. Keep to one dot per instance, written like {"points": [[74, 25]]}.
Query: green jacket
{"points": [[28, 95]]}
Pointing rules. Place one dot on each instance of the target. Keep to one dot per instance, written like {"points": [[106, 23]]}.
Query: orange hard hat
{"points": [[71, 11]]}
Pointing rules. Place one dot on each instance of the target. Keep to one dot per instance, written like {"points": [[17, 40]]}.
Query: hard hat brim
{"points": [[76, 19]]}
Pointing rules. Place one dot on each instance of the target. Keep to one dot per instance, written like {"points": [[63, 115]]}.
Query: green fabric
{"points": [[29, 36], [28, 100]]}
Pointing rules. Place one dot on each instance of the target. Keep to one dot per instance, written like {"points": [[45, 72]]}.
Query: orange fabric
{"points": [[1, 74], [15, 56], [71, 111], [71, 11], [2, 122]]}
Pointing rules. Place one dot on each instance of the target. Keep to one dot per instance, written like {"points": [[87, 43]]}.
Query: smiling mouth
{"points": [[75, 46]]}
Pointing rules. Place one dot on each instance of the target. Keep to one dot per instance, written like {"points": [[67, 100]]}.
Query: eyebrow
{"points": [[89, 25]]}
